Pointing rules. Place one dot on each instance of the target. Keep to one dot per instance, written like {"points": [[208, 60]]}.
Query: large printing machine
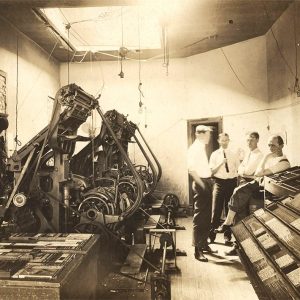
{"points": [[269, 239], [50, 198]]}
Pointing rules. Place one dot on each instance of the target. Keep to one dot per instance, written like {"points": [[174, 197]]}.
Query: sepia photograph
{"points": [[149, 149]]}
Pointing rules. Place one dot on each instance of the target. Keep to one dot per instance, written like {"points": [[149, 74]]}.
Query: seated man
{"points": [[251, 160], [273, 162]]}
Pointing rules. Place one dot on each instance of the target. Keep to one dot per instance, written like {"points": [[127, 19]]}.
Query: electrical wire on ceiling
{"points": [[276, 41], [79, 38], [68, 26], [76, 36], [82, 55], [16, 139], [235, 74], [122, 54], [36, 79], [107, 15], [117, 56], [140, 67], [234, 115], [20, 104], [165, 42], [92, 130], [263, 110]]}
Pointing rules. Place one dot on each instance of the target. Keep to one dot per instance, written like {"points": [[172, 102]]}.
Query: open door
{"points": [[217, 125]]}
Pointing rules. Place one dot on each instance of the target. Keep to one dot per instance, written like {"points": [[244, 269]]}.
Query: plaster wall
{"points": [[197, 87], [32, 76]]}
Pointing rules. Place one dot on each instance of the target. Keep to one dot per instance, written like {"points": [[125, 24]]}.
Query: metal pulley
{"points": [[166, 239], [19, 200], [171, 200]]}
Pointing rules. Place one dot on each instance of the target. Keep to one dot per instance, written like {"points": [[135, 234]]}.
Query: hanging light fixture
{"points": [[123, 50]]}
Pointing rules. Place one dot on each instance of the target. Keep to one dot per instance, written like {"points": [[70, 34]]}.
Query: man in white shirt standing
{"points": [[252, 158], [202, 187], [223, 164]]}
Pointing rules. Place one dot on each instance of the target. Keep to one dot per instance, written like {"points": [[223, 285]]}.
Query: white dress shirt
{"points": [[232, 161], [277, 164], [197, 159], [249, 165]]}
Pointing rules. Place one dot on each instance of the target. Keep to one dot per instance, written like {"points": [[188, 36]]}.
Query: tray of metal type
{"points": [[286, 234], [287, 175], [285, 214], [286, 183], [56, 275], [273, 248], [293, 203], [8, 268], [263, 273]]}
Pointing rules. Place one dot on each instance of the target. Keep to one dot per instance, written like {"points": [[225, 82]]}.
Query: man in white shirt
{"points": [[202, 187], [252, 158], [223, 164], [273, 162]]}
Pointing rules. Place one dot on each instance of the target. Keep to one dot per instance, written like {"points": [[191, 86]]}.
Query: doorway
{"points": [[217, 125]]}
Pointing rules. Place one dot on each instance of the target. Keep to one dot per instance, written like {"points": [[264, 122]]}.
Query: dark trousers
{"points": [[222, 191], [241, 196], [202, 213]]}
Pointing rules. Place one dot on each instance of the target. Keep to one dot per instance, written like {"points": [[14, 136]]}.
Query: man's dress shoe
{"points": [[200, 256], [222, 228], [227, 241], [209, 250], [231, 252]]}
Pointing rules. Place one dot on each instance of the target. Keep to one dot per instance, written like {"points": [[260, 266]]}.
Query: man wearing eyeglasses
{"points": [[273, 162], [198, 168]]}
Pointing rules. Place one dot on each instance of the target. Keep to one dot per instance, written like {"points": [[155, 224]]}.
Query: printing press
{"points": [[47, 189], [269, 240]]}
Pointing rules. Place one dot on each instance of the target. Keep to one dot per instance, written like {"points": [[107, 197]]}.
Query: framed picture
{"points": [[3, 93]]}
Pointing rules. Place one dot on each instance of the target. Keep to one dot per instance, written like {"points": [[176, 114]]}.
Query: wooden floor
{"points": [[222, 277]]}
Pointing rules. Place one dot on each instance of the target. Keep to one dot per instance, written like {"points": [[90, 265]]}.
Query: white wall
{"points": [[196, 87], [214, 89], [282, 49], [261, 98], [38, 78]]}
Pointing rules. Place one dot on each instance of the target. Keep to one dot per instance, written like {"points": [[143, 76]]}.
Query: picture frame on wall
{"points": [[3, 103], [3, 116]]}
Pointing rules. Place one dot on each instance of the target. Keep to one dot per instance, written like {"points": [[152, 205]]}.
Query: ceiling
{"points": [[193, 26]]}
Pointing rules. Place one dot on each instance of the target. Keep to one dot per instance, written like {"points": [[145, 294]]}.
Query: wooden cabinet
{"points": [[74, 278]]}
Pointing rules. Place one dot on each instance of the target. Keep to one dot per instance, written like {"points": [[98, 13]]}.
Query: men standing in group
{"points": [[251, 160], [224, 165], [273, 162], [198, 168]]}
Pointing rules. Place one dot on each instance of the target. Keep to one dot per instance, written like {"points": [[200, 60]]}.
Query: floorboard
{"points": [[222, 277]]}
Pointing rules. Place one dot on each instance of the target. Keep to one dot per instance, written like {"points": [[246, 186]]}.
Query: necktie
{"points": [[226, 164]]}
